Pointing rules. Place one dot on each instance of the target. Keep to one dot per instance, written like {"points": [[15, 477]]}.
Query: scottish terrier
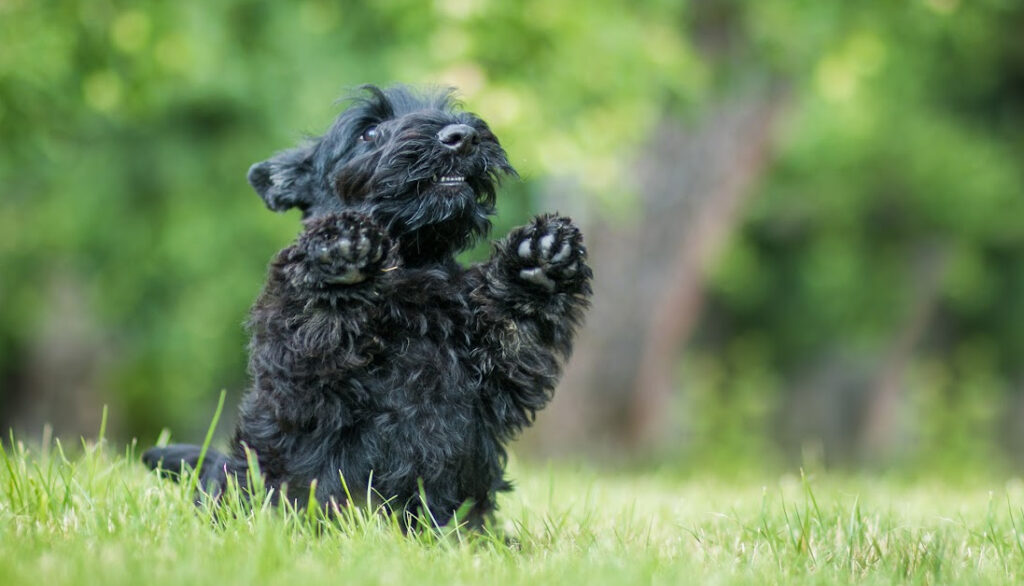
{"points": [[377, 360]]}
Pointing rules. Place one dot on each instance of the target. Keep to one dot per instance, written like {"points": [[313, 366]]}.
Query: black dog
{"points": [[376, 358]]}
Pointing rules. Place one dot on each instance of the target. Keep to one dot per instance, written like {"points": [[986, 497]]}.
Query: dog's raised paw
{"points": [[345, 248], [548, 250]]}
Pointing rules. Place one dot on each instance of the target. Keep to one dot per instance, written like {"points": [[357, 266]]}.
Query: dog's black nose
{"points": [[458, 137]]}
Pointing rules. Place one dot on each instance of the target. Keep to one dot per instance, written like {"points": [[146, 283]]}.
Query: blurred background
{"points": [[806, 219]]}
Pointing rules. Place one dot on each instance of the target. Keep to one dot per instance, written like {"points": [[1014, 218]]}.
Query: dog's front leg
{"points": [[528, 300], [317, 317]]}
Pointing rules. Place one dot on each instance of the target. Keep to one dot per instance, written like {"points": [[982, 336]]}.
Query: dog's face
{"points": [[416, 163]]}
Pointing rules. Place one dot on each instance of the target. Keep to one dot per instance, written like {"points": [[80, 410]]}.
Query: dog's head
{"points": [[415, 162]]}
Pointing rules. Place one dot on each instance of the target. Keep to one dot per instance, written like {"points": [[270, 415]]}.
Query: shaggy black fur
{"points": [[375, 357]]}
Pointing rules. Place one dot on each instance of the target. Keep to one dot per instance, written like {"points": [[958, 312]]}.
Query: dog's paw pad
{"points": [[562, 254], [545, 244], [344, 247], [537, 277], [348, 277], [525, 250], [363, 246]]}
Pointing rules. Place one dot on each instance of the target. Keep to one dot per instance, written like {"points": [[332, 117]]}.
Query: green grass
{"points": [[99, 517]]}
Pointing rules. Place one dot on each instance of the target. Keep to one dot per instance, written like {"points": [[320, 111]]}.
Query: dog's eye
{"points": [[370, 134]]}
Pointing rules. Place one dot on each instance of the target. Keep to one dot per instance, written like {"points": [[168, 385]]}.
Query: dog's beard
{"points": [[432, 220], [433, 205]]}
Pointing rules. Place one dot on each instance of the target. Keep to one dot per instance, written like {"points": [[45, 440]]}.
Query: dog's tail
{"points": [[213, 476]]}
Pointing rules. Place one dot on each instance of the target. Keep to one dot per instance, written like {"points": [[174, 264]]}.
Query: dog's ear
{"points": [[285, 180]]}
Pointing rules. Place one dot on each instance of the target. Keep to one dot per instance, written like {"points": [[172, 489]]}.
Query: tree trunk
{"points": [[649, 273]]}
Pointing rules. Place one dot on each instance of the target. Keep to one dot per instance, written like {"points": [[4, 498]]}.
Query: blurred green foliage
{"points": [[905, 147], [126, 129]]}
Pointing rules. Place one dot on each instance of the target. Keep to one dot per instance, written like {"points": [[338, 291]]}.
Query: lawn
{"points": [[98, 517]]}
